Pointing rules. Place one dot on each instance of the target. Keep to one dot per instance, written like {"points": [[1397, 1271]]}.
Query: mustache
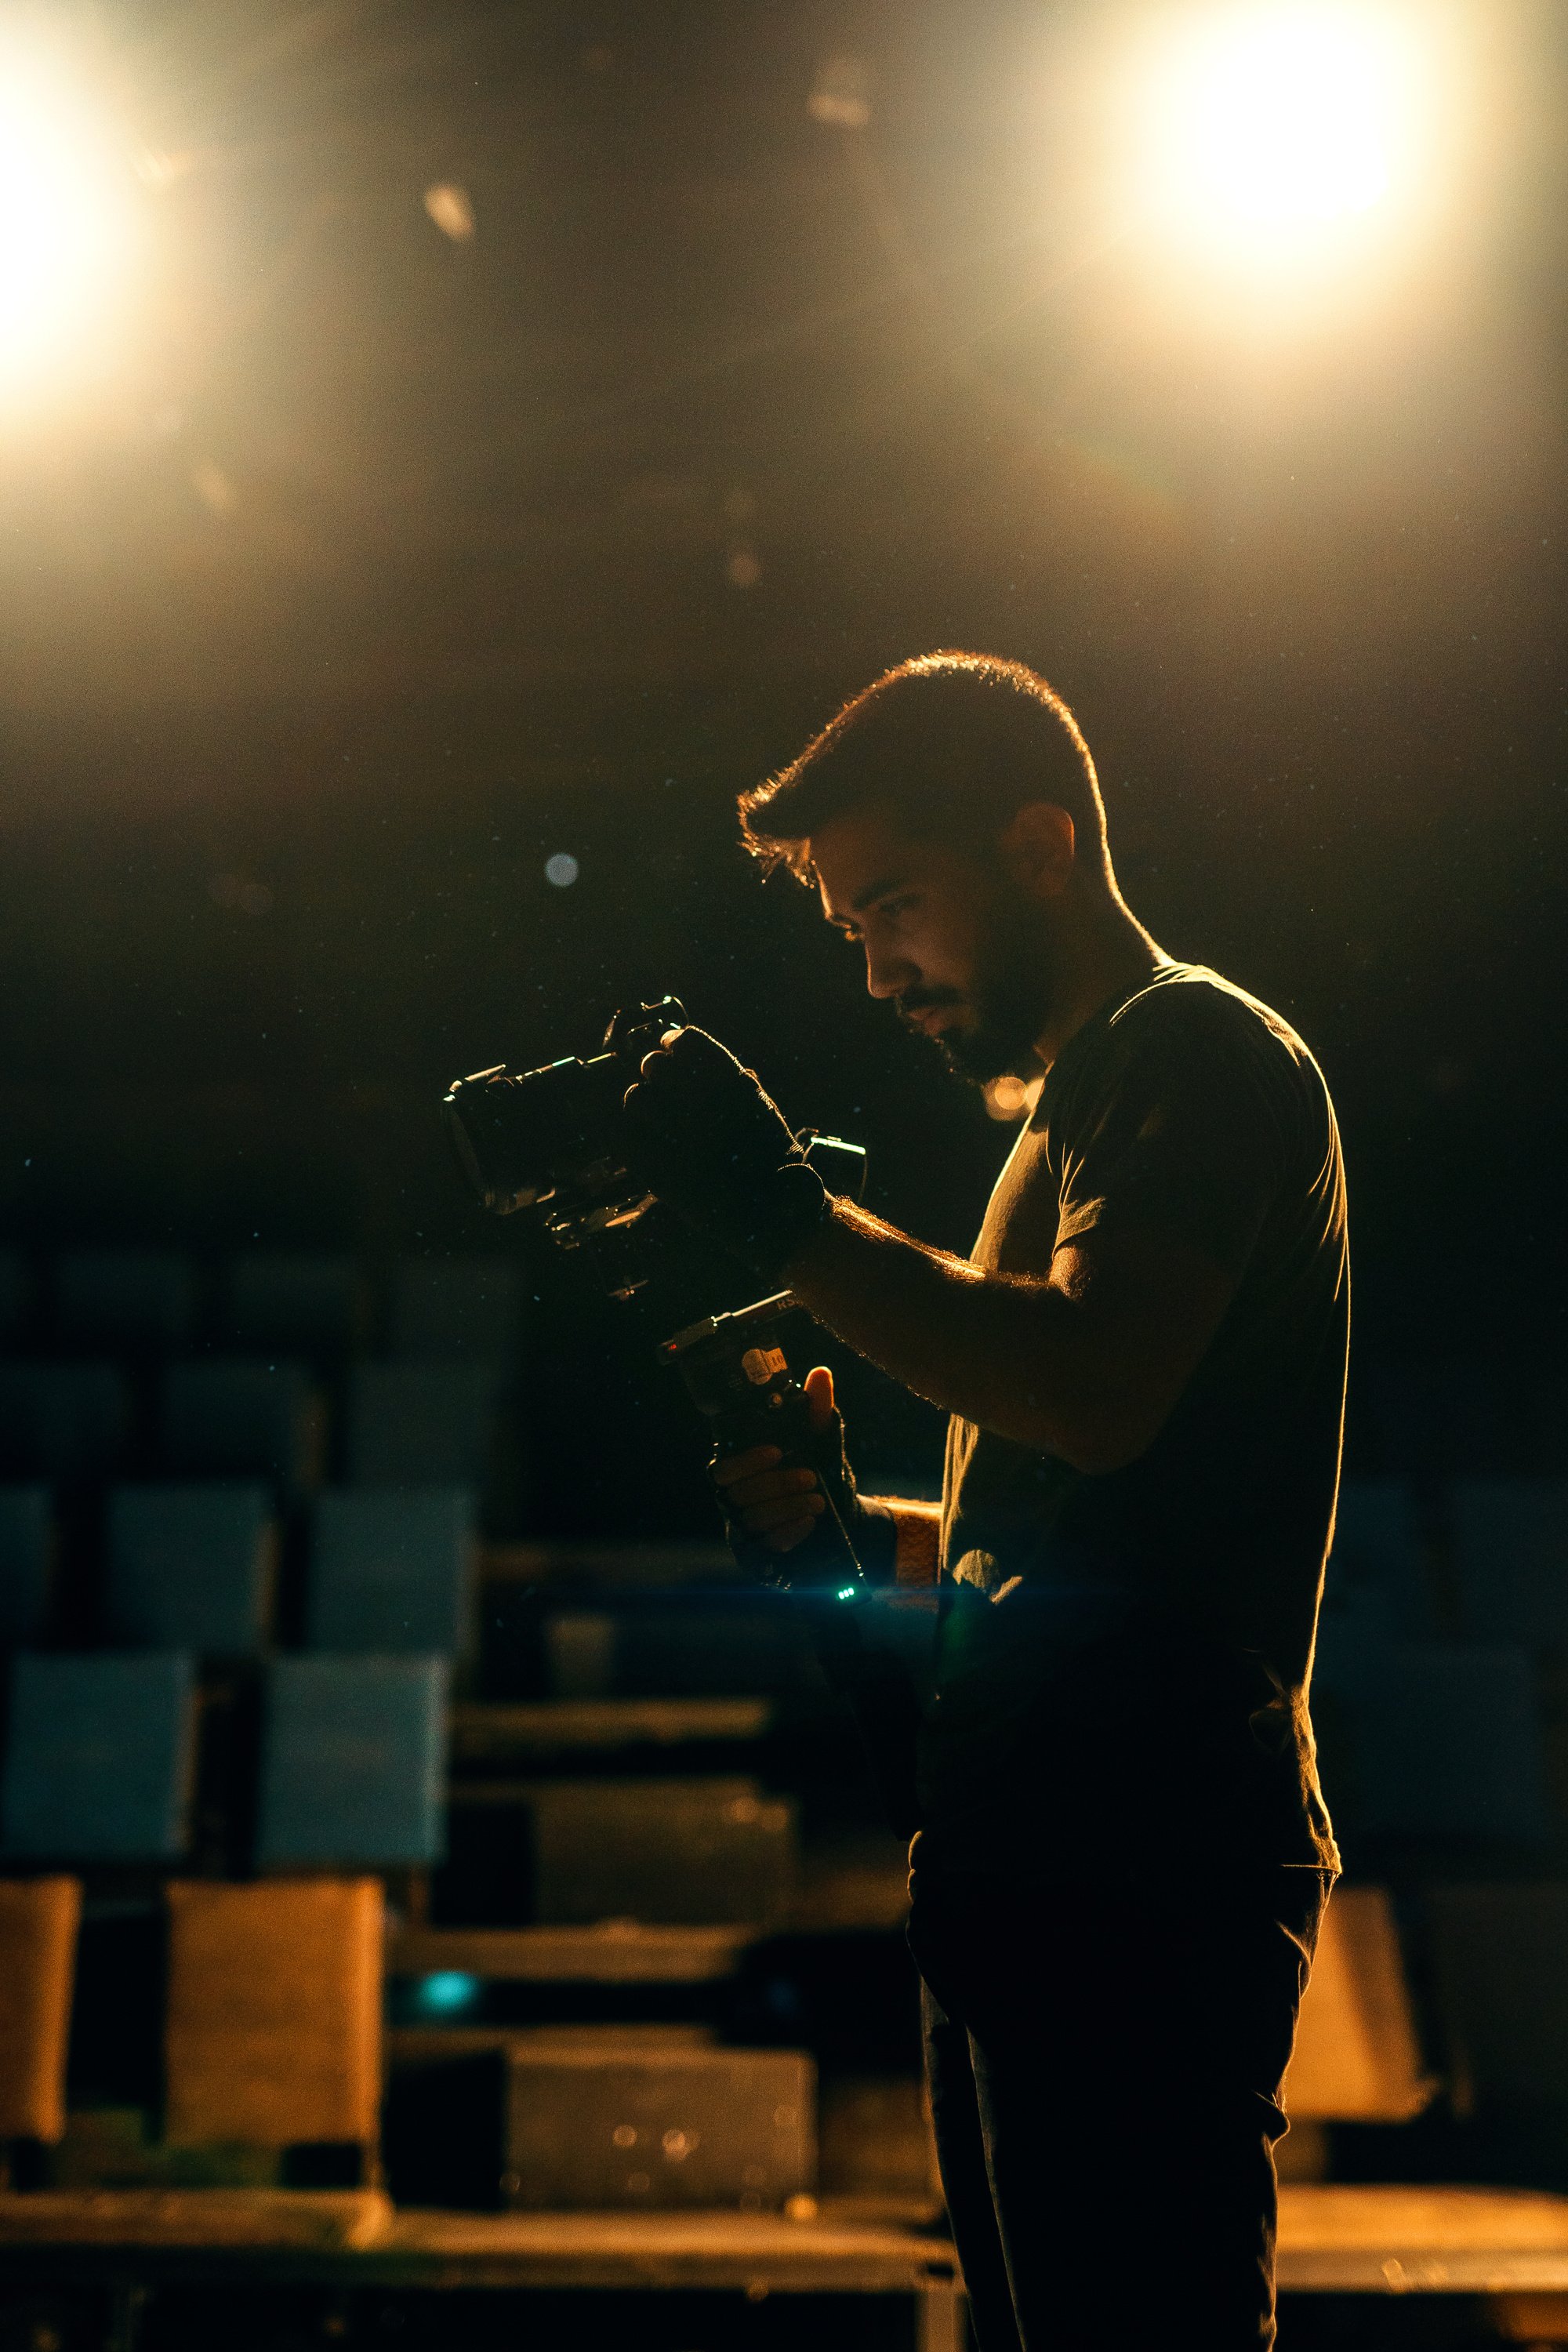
{"points": [[927, 1000]]}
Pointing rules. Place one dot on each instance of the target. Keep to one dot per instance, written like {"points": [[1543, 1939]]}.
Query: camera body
{"points": [[552, 1140]]}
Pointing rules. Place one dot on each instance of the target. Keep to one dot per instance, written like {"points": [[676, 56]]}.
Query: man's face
{"points": [[963, 952]]}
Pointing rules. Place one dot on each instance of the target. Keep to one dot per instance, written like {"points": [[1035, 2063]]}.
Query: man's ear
{"points": [[1039, 848]]}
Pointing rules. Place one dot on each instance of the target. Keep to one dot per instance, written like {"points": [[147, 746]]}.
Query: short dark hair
{"points": [[953, 744]]}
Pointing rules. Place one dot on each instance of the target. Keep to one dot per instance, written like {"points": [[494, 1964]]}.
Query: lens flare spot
{"points": [[67, 214], [1272, 127]]}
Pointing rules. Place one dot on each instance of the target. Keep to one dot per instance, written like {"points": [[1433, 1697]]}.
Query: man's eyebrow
{"points": [[868, 898]]}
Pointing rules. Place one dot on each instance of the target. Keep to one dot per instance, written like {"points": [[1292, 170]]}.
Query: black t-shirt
{"points": [[1123, 1657]]}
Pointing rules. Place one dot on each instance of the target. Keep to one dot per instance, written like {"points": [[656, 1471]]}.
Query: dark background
{"points": [[387, 566]]}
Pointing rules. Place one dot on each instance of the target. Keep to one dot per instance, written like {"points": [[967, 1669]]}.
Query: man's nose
{"points": [[887, 974]]}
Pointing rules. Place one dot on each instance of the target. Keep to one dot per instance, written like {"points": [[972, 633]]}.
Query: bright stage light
{"points": [[66, 226], [1275, 129]]}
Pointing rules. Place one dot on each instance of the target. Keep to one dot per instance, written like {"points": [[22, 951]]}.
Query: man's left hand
{"points": [[704, 1137]]}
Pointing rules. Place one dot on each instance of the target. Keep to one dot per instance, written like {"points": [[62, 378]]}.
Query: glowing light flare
{"points": [[67, 224], [451, 208], [1277, 128], [447, 1993]]}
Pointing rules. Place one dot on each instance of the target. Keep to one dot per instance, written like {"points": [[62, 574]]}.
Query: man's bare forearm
{"points": [[997, 1349], [1086, 1362]]}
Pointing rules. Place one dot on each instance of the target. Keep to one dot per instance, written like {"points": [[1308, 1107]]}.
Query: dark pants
{"points": [[1105, 2059]]}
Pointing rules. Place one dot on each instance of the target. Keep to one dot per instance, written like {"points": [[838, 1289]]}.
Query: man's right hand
{"points": [[767, 1505]]}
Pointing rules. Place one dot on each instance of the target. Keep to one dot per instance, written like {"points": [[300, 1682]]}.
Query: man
{"points": [[1124, 1855]]}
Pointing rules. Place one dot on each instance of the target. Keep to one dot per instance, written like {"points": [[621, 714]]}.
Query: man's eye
{"points": [[896, 906]]}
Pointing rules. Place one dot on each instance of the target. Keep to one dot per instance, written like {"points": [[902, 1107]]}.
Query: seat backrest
{"points": [[15, 1299], [1379, 1542], [191, 1567], [301, 1302], [698, 1644], [1378, 1589], [632, 2126], [420, 1424], [125, 1302], [1511, 1557], [99, 1763], [1448, 1744], [244, 1417], [273, 2030], [1438, 1416], [27, 1561], [354, 1756], [1356, 2057], [65, 1423], [1356, 1630], [1501, 1956], [392, 1569], [39, 1922], [457, 1309], [706, 1851]]}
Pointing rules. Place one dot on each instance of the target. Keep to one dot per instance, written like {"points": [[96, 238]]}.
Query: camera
{"points": [[552, 1140]]}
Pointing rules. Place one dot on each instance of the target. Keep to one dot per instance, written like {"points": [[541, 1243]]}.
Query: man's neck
{"points": [[1109, 959]]}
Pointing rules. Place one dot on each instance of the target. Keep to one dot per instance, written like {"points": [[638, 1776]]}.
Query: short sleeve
{"points": [[1187, 1129]]}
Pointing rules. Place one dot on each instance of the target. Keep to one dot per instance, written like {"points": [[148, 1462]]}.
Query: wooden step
{"points": [[495, 1735], [1394, 2240], [1339, 2240], [326, 2220], [616, 1951]]}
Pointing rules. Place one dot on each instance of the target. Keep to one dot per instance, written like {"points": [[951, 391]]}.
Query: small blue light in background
{"points": [[563, 870], [445, 1994], [782, 1999], [848, 1593]]}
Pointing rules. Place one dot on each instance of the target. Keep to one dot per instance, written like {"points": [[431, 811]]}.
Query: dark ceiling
{"points": [[922, 378], [384, 564]]}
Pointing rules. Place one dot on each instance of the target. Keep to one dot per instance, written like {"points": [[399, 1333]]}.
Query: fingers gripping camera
{"points": [[664, 1111], [705, 1137]]}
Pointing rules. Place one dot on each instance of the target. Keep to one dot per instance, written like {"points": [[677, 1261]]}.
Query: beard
{"points": [[1010, 998]]}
